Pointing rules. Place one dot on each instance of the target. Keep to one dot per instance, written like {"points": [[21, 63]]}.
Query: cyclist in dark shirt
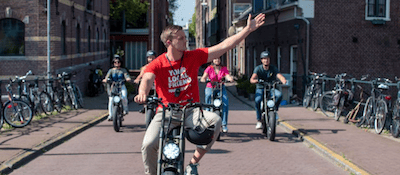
{"points": [[268, 73]]}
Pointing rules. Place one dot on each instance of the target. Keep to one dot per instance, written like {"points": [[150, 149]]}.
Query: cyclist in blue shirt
{"points": [[116, 74]]}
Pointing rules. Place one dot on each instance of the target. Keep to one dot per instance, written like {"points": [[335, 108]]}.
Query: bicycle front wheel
{"points": [[315, 99], [339, 108], [46, 103], [368, 111], [117, 118], [17, 113], [380, 116], [395, 128], [79, 96], [307, 97], [326, 104]]}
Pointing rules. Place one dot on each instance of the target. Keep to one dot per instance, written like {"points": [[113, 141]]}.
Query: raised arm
{"points": [[229, 43]]}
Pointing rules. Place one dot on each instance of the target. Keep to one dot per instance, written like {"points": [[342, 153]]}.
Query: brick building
{"points": [[79, 37], [332, 36]]}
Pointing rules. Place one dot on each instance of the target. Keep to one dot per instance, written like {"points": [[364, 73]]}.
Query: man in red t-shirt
{"points": [[174, 74]]}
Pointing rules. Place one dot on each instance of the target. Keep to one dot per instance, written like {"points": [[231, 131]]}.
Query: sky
{"points": [[184, 12]]}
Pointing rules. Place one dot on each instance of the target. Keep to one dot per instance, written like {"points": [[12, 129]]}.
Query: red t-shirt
{"points": [[167, 81]]}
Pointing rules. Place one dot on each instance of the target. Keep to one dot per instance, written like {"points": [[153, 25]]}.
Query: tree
{"points": [[173, 5], [192, 26], [134, 10]]}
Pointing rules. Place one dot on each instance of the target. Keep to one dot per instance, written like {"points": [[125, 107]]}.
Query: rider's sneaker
{"points": [[224, 129], [259, 125], [109, 118], [191, 169], [126, 112]]}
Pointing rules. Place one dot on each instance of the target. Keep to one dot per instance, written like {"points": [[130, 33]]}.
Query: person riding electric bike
{"points": [[215, 73], [117, 73], [175, 76], [268, 73], [150, 55]]}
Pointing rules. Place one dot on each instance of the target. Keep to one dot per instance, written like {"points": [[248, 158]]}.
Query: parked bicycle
{"points": [[395, 127], [16, 112], [377, 105], [314, 91], [333, 102]]}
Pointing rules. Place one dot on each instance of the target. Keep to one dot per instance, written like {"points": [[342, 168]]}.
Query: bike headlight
{"points": [[171, 151], [116, 99], [270, 103], [217, 102]]}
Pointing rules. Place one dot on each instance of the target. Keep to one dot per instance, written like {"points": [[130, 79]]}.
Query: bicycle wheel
{"points": [[1, 119], [307, 97], [380, 116], [315, 99], [79, 96], [67, 99], [339, 108], [74, 99], [271, 126], [368, 111], [58, 101], [37, 104], [17, 113], [326, 103], [395, 128], [117, 118], [46, 103]]}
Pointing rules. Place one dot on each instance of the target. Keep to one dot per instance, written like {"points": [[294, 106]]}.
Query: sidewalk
{"points": [[355, 149], [20, 145]]}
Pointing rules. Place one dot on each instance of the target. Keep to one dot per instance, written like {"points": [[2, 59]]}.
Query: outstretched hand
{"points": [[258, 21]]}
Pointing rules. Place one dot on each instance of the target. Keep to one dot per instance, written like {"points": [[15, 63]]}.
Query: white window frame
{"points": [[387, 15]]}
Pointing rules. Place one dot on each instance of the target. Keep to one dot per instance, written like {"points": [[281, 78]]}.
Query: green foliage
{"points": [[134, 9], [192, 26]]}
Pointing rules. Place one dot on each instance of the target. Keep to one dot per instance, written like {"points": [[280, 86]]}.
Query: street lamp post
{"points": [[204, 8]]}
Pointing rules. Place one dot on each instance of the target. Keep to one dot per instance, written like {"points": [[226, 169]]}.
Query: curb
{"points": [[317, 146], [28, 155]]}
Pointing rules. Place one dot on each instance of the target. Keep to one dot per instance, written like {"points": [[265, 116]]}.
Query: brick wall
{"points": [[73, 13], [343, 41]]}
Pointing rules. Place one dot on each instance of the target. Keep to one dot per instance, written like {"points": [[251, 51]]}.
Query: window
{"points": [[104, 40], [88, 39], [377, 10], [63, 36], [12, 37], [258, 5], [78, 39], [89, 4], [98, 39], [239, 8]]}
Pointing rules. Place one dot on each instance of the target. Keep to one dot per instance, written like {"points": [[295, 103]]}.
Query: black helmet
{"points": [[200, 136], [264, 54], [151, 53]]}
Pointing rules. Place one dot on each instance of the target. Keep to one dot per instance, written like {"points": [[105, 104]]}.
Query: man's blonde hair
{"points": [[168, 31]]}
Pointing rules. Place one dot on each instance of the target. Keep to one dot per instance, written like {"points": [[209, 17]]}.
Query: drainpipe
{"points": [[152, 24], [308, 38]]}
